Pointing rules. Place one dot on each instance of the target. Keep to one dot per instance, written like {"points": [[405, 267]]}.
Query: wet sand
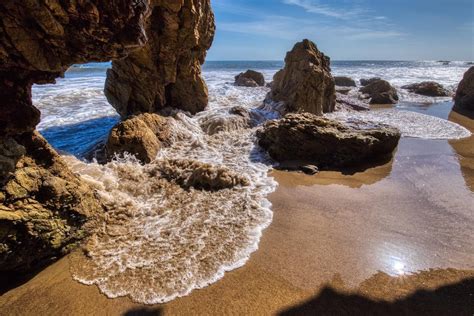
{"points": [[361, 243]]}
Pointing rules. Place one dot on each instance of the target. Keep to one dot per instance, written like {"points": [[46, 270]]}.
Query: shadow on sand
{"points": [[144, 312]]}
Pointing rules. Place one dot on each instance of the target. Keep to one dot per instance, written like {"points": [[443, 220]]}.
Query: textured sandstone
{"points": [[464, 98], [380, 92], [166, 72], [306, 83], [427, 88], [141, 136], [309, 139], [250, 78]]}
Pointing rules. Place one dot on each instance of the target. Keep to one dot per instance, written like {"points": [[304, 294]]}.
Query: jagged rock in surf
{"points": [[464, 98], [44, 206], [427, 88], [202, 176], [380, 92], [166, 72], [366, 82], [309, 139], [344, 81], [305, 84], [250, 78], [141, 136]]}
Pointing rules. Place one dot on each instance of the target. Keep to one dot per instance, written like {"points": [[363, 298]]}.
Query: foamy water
{"points": [[159, 240]]}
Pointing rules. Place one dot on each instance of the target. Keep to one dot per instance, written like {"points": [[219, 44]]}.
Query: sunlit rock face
{"points": [[44, 207], [306, 83], [166, 72]]}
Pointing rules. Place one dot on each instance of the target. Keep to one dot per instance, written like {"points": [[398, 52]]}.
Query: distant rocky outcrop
{"points": [[306, 83], [166, 72], [464, 98], [380, 92], [344, 81], [250, 78], [44, 207], [366, 82], [427, 88], [309, 139]]}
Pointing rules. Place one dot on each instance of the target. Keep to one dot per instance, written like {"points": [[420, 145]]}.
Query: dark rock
{"points": [[310, 169], [250, 78], [166, 72], [344, 82], [464, 98], [309, 139], [427, 88], [352, 103], [381, 92], [306, 83], [366, 82]]}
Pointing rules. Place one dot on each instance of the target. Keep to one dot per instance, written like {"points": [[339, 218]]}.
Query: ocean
{"points": [[160, 241]]}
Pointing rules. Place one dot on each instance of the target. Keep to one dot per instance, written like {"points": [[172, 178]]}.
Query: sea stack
{"points": [[306, 83], [464, 98]]}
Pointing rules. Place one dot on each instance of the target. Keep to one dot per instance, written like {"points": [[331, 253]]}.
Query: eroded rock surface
{"points": [[166, 72], [309, 139], [344, 81], [306, 83], [250, 78], [428, 88], [381, 92], [464, 98]]}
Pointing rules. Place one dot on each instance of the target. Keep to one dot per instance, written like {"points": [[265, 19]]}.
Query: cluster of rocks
{"points": [[428, 88]]}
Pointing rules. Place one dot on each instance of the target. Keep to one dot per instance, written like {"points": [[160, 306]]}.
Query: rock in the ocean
{"points": [[381, 92], [344, 81], [427, 88], [250, 78], [141, 136], [306, 83], [166, 72], [44, 207], [366, 82], [464, 98], [309, 139]]}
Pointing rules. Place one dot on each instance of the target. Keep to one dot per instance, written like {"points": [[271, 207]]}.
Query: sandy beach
{"points": [[395, 238]]}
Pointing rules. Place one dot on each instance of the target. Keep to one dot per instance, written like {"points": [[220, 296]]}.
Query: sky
{"points": [[345, 29]]}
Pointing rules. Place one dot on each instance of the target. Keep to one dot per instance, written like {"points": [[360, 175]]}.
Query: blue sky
{"points": [[344, 29]]}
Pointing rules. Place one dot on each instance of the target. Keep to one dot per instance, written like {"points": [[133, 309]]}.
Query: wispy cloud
{"points": [[312, 6]]}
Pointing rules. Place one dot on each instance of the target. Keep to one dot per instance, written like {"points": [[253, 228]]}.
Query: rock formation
{"points": [[166, 72], [43, 205], [344, 82], [380, 92], [250, 78], [306, 83], [464, 98], [141, 136], [366, 82], [309, 139], [427, 88]]}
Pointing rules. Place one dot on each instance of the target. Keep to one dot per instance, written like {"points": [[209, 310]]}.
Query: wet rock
{"points": [[381, 92], [250, 78], [366, 82], [464, 98], [201, 176], [166, 72], [351, 102], [427, 88], [344, 81], [306, 83], [141, 136], [239, 118], [308, 139], [44, 208]]}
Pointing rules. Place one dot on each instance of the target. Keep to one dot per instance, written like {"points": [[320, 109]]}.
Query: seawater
{"points": [[159, 241]]}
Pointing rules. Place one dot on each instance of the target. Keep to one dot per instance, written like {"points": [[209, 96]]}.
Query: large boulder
{"points": [[381, 92], [366, 82], [309, 139], [250, 78], [306, 83], [344, 81], [464, 98], [141, 136], [166, 72], [427, 88]]}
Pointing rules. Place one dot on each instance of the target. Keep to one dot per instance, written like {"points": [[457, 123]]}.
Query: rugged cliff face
{"points": [[43, 205], [166, 72]]}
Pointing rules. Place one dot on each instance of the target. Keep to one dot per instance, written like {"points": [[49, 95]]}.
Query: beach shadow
{"points": [[455, 299], [77, 139], [464, 112], [10, 280], [144, 312]]}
